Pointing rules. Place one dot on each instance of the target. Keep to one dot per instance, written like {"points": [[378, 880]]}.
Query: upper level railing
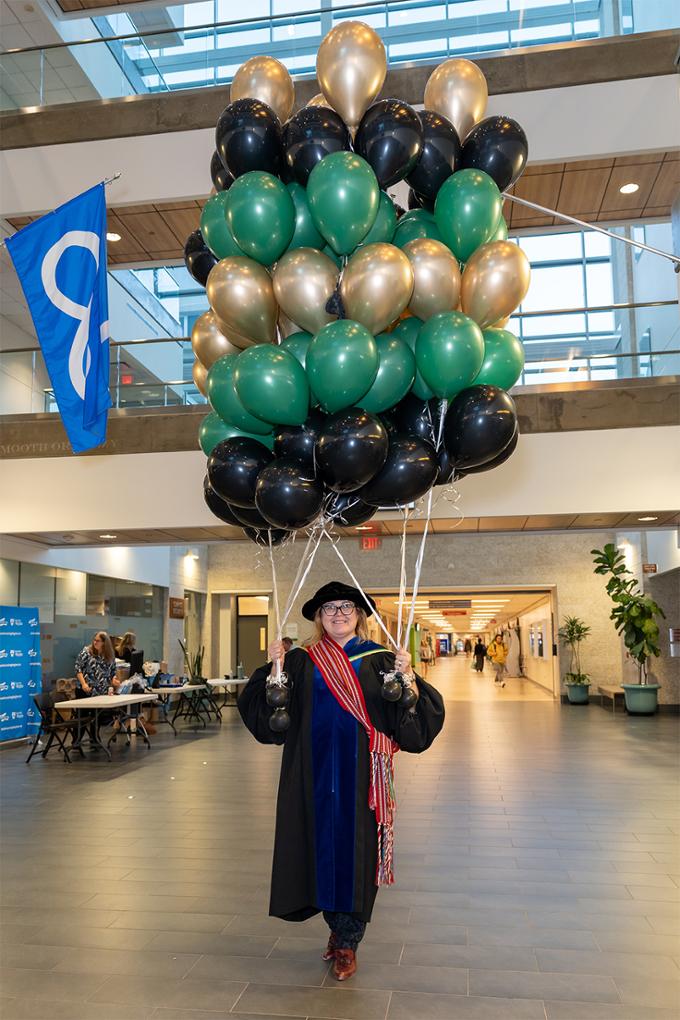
{"points": [[118, 60]]}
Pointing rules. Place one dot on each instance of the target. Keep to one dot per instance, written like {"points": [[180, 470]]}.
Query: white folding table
{"points": [[104, 703]]}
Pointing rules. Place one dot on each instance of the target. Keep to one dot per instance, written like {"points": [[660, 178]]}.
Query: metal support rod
{"points": [[106, 181], [675, 259]]}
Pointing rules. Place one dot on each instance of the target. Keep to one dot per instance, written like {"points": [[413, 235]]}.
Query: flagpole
{"points": [[105, 182]]}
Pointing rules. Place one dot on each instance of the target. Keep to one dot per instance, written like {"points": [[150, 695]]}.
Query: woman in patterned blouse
{"points": [[96, 666]]}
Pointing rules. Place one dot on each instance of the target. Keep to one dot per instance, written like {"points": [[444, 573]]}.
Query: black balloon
{"points": [[217, 505], [408, 473], [221, 178], [233, 467], [248, 137], [480, 423], [346, 510], [390, 138], [351, 449], [414, 201], [413, 417], [446, 468], [440, 156], [287, 495], [198, 258], [498, 146], [249, 517], [261, 536], [298, 441], [311, 134], [498, 459]]}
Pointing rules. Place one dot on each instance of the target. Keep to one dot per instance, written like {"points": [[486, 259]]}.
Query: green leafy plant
{"points": [[634, 613], [573, 633], [193, 661]]}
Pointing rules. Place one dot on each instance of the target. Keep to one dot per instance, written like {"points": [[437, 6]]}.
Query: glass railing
{"points": [[194, 45], [642, 341]]}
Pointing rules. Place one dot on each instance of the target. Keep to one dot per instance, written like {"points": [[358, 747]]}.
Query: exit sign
{"points": [[368, 543]]}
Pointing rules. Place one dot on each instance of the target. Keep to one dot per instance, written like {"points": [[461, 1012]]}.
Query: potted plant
{"points": [[572, 633], [193, 663], [634, 615]]}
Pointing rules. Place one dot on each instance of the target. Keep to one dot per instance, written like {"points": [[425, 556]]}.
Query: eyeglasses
{"points": [[345, 609]]}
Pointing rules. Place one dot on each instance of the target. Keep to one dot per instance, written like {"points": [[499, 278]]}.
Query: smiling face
{"points": [[339, 619]]}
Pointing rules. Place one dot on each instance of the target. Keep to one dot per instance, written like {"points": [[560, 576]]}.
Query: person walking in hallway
{"points": [[467, 647], [498, 653], [334, 842], [480, 655]]}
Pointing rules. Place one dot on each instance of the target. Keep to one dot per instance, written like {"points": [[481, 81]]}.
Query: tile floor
{"points": [[538, 876]]}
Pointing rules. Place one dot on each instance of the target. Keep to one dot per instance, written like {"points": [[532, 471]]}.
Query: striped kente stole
{"points": [[335, 668]]}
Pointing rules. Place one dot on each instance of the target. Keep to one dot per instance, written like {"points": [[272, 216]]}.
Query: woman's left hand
{"points": [[402, 660]]}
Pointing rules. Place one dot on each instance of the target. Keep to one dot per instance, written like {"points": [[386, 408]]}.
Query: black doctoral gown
{"points": [[325, 848]]}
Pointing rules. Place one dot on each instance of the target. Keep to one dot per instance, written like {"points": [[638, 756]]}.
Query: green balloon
{"points": [[270, 381], [342, 363], [261, 215], [503, 359], [306, 235], [385, 222], [467, 211], [408, 330], [501, 231], [449, 352], [332, 255], [395, 375], [213, 430], [225, 400], [297, 344], [414, 224], [215, 229], [344, 197]]}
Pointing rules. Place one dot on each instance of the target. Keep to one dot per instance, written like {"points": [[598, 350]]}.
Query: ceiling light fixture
{"points": [[112, 236], [629, 189], [649, 517], [363, 527], [108, 536]]}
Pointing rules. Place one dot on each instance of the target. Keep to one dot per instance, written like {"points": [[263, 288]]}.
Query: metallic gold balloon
{"points": [[350, 67], [436, 285], [495, 280], [458, 90], [237, 339], [266, 79], [200, 374], [304, 280], [319, 100], [376, 286], [287, 326], [208, 341], [502, 323], [241, 295]]}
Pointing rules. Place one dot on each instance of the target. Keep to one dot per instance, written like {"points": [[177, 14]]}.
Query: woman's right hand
{"points": [[276, 651]]}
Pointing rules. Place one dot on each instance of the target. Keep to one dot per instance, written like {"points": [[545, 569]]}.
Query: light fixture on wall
{"points": [[629, 189]]}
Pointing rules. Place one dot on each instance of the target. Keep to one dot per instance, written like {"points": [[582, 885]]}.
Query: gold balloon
{"points": [[319, 100], [237, 339], [436, 273], [208, 341], [287, 326], [241, 295], [200, 374], [304, 280], [495, 280], [266, 79], [350, 67], [458, 90], [376, 286]]}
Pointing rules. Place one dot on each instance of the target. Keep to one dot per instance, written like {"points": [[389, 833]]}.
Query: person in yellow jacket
{"points": [[497, 651]]}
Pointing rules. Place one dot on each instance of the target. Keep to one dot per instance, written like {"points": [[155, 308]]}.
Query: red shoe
{"points": [[329, 951], [345, 964]]}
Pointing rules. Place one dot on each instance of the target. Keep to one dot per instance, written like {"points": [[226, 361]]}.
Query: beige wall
{"points": [[561, 560]]}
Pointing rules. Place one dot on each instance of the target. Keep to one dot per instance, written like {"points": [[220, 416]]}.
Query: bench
{"points": [[610, 692]]}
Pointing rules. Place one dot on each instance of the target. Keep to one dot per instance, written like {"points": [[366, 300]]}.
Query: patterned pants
{"points": [[348, 930]]}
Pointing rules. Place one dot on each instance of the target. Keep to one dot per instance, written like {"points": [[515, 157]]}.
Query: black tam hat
{"points": [[332, 592]]}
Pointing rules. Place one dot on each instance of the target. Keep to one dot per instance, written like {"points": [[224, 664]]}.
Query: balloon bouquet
{"points": [[355, 354]]}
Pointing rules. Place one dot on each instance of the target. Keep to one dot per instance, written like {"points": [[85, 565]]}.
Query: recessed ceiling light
{"points": [[112, 236], [108, 536], [363, 527], [629, 189], [649, 517]]}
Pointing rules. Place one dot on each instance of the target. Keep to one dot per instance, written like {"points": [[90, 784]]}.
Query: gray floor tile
{"points": [[127, 962], [405, 1006], [663, 994], [209, 993], [216, 945], [310, 949], [605, 1011], [251, 969], [548, 938], [16, 981], [507, 957], [644, 966], [621, 942], [533, 985], [161, 1013], [325, 1003], [39, 1009], [172, 921], [449, 980]]}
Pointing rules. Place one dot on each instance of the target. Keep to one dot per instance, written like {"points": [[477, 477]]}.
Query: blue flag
{"points": [[61, 263]]}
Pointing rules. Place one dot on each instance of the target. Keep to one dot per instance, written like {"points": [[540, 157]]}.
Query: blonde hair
{"points": [[128, 640], [107, 650], [361, 629]]}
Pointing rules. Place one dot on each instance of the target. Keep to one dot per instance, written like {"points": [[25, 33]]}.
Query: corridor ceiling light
{"points": [[108, 536], [649, 517], [112, 236], [629, 189]]}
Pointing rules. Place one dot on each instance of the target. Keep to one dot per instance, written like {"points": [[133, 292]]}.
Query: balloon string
{"points": [[402, 579], [346, 565], [419, 566], [277, 614]]}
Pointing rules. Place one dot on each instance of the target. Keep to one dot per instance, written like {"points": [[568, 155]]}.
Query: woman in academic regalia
{"points": [[333, 845]]}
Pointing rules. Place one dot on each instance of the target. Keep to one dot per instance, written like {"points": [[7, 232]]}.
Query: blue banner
{"points": [[20, 671], [61, 263]]}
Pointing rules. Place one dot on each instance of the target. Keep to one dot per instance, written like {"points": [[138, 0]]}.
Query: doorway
{"points": [[252, 618]]}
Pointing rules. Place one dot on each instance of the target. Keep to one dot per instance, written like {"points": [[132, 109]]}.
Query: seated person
{"points": [[125, 651], [96, 673]]}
